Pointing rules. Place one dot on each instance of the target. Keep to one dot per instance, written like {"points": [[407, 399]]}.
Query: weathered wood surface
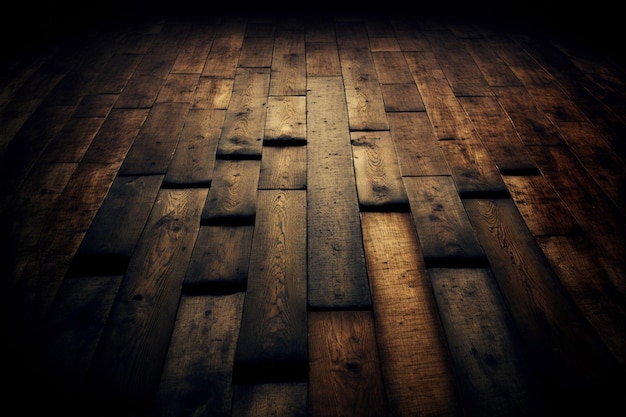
{"points": [[318, 214]]}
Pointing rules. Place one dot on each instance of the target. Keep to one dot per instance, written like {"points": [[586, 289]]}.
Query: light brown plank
{"points": [[345, 377], [194, 50], [410, 338], [322, 59], [288, 75], [283, 167], [286, 120], [224, 55], [256, 52], [212, 93]]}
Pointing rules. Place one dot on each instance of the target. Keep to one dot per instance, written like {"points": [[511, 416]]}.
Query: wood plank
{"points": [[178, 88], [417, 148], [498, 135], [194, 158], [194, 50], [322, 59], [219, 262], [153, 148], [197, 375], [141, 91], [286, 120], [256, 52], [391, 68], [336, 264], [446, 235], [242, 135], [566, 352], [95, 105], [272, 344], [73, 140], [410, 338], [212, 93], [233, 193], [115, 230], [115, 74], [495, 71], [490, 364], [224, 55], [283, 167], [345, 377], [288, 75], [127, 364], [275, 399], [402, 97], [116, 136], [378, 180]]}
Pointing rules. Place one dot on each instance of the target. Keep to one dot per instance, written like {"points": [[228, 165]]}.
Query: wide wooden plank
{"points": [[402, 97], [72, 142], [115, 73], [274, 399], [256, 52], [566, 352], [288, 63], [490, 362], [410, 337], [322, 59], [242, 135], [220, 259], [194, 50], [197, 375], [378, 180], [194, 158], [233, 193], [283, 167], [127, 364], [445, 233], [154, 146], [493, 68], [272, 344], [336, 264], [115, 230], [345, 377], [212, 93], [417, 148], [224, 55], [391, 68], [178, 88], [286, 120]]}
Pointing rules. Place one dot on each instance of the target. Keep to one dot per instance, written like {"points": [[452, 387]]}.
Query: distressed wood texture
{"points": [[268, 212]]}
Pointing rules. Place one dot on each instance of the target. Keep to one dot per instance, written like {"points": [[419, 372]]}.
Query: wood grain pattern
{"points": [[283, 167], [286, 120]]}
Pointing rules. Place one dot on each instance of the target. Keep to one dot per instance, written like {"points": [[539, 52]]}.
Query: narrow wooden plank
{"points": [[275, 399], [322, 59], [566, 352], [410, 35], [498, 134], [224, 55], [417, 148], [598, 289], [345, 375], [446, 235], [153, 148], [197, 375], [543, 211], [127, 364], [288, 76], [378, 180], [178, 88], [410, 337], [286, 120], [116, 136], [233, 193], [272, 344], [115, 74], [115, 230], [402, 97], [495, 71], [220, 258], [283, 167], [212, 93], [385, 44], [69, 338], [256, 52], [194, 50], [194, 158], [391, 68], [490, 364], [141, 91], [242, 135], [71, 143], [336, 264]]}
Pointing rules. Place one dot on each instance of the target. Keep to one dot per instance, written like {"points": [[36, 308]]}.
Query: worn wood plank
{"points": [[391, 68], [417, 148], [95, 105], [115, 230], [402, 97], [115, 74], [177, 88], [242, 135], [288, 75], [212, 93], [220, 259], [224, 55], [256, 52], [272, 344], [336, 264], [490, 362], [410, 337], [286, 120], [345, 377], [566, 352], [445, 233], [322, 59], [197, 375], [275, 399], [495, 71], [194, 50], [378, 180], [283, 167], [128, 362], [141, 91], [193, 161], [233, 193], [153, 148], [73, 140]]}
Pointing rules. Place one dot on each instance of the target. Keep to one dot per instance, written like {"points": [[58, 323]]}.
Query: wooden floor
{"points": [[313, 216]]}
